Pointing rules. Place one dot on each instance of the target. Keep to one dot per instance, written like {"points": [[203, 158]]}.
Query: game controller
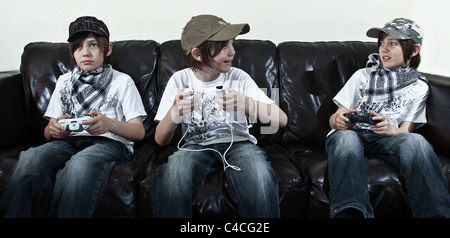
{"points": [[361, 118], [221, 90], [190, 96], [74, 124]]}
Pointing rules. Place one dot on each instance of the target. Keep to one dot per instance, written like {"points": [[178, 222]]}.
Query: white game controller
{"points": [[74, 124], [188, 90], [222, 90], [190, 97]]}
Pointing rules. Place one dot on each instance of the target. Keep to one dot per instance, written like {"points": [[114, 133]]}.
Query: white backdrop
{"points": [[25, 21]]}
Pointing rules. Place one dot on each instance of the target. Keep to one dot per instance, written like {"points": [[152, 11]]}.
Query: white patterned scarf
{"points": [[386, 81], [89, 89]]}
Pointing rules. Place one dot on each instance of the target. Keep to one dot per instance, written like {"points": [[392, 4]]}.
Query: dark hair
{"points": [[408, 49], [208, 50], [102, 44]]}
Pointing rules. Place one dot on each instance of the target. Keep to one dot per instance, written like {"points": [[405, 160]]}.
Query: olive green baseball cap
{"points": [[209, 27]]}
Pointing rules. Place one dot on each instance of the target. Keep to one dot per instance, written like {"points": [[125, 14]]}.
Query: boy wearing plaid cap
{"points": [[394, 93]]}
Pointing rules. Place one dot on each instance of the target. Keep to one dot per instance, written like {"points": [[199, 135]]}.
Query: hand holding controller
{"points": [[190, 96], [361, 118], [74, 124]]}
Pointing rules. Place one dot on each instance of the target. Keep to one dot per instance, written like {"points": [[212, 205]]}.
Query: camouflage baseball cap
{"points": [[88, 24], [400, 28], [209, 27]]}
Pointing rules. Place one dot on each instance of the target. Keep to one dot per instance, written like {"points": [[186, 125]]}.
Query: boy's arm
{"points": [[384, 127], [132, 130], [235, 101], [167, 126], [266, 112], [339, 121]]}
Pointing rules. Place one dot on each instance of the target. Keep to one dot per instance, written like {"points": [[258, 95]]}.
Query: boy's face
{"points": [[391, 52], [222, 61], [88, 54]]}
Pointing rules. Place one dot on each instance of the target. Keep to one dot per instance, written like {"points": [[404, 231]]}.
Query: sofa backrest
{"points": [[257, 57], [311, 74], [43, 62]]}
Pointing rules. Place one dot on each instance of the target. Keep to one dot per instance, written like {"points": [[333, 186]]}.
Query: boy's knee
{"points": [[413, 141]]}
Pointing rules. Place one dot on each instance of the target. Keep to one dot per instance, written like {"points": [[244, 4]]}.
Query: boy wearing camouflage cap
{"points": [[391, 95]]}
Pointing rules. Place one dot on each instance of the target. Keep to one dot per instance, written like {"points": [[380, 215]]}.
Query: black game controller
{"points": [[361, 118]]}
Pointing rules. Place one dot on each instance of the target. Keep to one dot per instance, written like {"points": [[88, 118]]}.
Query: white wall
{"points": [[25, 21]]}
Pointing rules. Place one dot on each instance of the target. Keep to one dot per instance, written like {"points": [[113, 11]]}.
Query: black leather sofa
{"points": [[301, 76]]}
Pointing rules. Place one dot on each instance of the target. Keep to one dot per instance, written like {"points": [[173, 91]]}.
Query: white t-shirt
{"points": [[206, 124], [409, 102], [122, 103]]}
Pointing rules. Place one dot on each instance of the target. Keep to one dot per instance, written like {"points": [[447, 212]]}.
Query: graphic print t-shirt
{"points": [[122, 103], [208, 123]]}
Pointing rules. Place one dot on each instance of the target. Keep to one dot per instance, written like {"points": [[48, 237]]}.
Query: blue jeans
{"points": [[255, 186], [74, 171], [426, 183]]}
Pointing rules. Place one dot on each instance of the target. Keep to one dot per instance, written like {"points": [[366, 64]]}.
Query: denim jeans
{"points": [[74, 171], [255, 186], [425, 181]]}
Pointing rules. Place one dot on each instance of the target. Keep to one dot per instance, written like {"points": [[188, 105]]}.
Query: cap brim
{"points": [[230, 32], [99, 33], [375, 32]]}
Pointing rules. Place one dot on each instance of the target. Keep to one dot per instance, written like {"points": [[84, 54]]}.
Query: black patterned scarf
{"points": [[386, 81], [89, 88]]}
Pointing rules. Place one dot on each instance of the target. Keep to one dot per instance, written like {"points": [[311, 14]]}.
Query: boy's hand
{"points": [[232, 101], [183, 104], [383, 127], [99, 124], [56, 130], [341, 121]]}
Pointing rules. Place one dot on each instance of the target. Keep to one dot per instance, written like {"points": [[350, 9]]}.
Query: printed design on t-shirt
{"points": [[206, 121], [380, 104], [106, 105]]}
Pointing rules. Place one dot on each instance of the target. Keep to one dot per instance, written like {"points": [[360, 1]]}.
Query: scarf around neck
{"points": [[385, 81], [89, 88]]}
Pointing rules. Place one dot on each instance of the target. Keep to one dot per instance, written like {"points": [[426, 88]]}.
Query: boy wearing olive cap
{"points": [[75, 165], [215, 128], [394, 94]]}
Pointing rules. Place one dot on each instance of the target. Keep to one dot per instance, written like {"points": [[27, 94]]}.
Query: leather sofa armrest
{"points": [[12, 106], [437, 129]]}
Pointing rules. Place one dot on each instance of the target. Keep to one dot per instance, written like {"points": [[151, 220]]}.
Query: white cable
{"points": [[225, 162]]}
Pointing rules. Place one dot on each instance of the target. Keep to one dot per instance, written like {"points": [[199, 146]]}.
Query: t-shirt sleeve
{"points": [[417, 110], [132, 102], [54, 108], [167, 99], [348, 95]]}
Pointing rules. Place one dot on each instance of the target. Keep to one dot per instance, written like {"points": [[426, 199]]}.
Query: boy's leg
{"points": [[256, 185], [174, 183], [347, 173], [80, 184], [32, 175], [426, 182]]}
